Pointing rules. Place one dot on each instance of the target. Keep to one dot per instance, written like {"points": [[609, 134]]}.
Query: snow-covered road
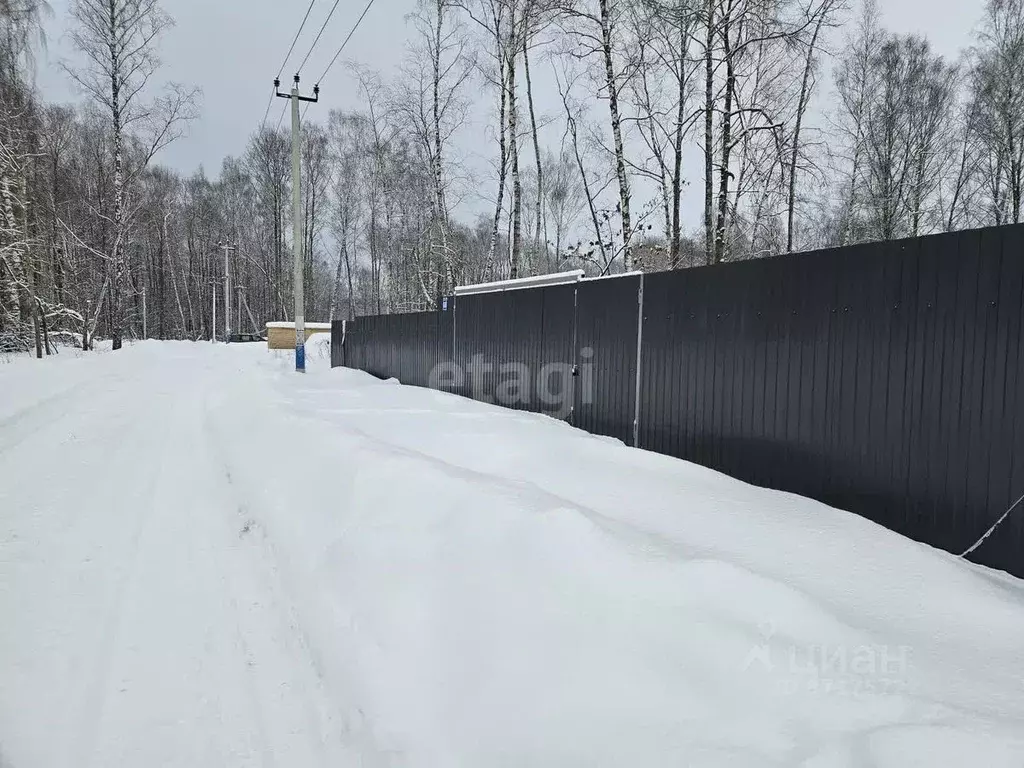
{"points": [[139, 626], [439, 582]]}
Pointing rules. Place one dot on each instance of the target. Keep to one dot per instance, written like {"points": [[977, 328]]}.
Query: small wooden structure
{"points": [[281, 335]]}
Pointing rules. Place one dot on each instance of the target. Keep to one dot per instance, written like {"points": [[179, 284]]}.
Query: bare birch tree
{"points": [[434, 104], [20, 25], [118, 39], [594, 29], [998, 83], [819, 16], [901, 162], [855, 85], [661, 93]]}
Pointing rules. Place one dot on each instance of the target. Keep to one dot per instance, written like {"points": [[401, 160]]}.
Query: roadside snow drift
{"points": [[206, 559]]}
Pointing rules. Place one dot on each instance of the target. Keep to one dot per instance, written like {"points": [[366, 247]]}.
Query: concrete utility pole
{"points": [[227, 291], [213, 328], [145, 334], [300, 320]]}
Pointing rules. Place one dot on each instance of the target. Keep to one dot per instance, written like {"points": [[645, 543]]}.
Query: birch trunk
{"points": [[440, 212], [502, 166], [709, 133], [351, 291], [15, 266], [677, 153], [538, 210], [174, 283], [517, 188], [116, 255], [343, 261], [570, 122], [613, 108], [723, 171], [1015, 173], [801, 107]]}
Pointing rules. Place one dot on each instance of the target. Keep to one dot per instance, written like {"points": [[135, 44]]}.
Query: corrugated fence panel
{"points": [[1013, 284], [514, 348], [484, 331], [554, 382], [420, 338], [443, 353], [606, 341], [1006, 479], [337, 345], [882, 378]]}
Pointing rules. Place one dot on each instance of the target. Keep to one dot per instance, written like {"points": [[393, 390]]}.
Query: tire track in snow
{"points": [[161, 486], [50, 537], [92, 707], [344, 724], [205, 485], [33, 421], [255, 571]]}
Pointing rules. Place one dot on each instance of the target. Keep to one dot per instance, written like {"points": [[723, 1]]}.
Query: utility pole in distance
{"points": [[227, 292], [300, 320]]}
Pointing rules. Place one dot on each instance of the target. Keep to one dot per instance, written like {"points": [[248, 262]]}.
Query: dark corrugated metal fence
{"points": [[515, 348], [606, 347], [884, 378]]}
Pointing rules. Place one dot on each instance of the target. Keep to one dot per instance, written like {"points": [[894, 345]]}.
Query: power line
{"points": [[317, 40], [294, 39], [281, 116], [345, 41], [270, 100], [340, 49]]}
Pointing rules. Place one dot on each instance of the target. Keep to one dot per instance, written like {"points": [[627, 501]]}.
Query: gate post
{"points": [[639, 342]]}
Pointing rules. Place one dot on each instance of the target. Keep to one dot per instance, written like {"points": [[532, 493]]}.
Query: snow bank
{"points": [[489, 587], [29, 381], [291, 324], [318, 348]]}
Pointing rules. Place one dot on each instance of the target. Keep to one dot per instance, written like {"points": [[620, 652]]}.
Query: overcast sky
{"points": [[232, 49]]}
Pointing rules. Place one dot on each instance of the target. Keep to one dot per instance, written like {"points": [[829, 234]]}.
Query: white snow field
{"points": [[209, 560]]}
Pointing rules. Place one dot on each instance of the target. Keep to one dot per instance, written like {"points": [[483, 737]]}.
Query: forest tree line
{"points": [[814, 126]]}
